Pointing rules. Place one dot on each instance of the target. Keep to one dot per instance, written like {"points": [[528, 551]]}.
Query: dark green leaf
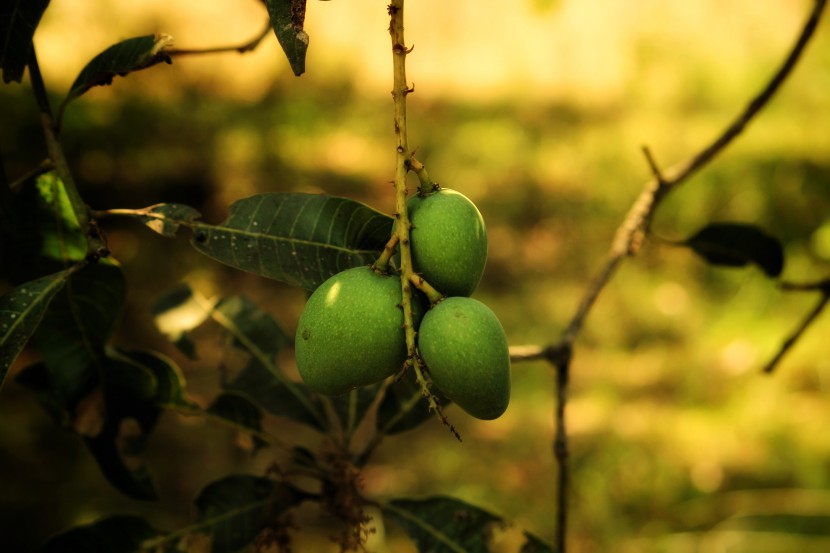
{"points": [[256, 332], [21, 311], [128, 394], [287, 19], [178, 312], [404, 406], [235, 509], [120, 59], [115, 534], [738, 244], [279, 396], [37, 379], [18, 21], [74, 331], [166, 219], [252, 328], [241, 412], [170, 384], [443, 524], [535, 545], [299, 239]]}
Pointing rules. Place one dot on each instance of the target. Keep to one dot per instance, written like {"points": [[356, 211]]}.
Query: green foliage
{"points": [[115, 534], [287, 19], [299, 239], [18, 21]]}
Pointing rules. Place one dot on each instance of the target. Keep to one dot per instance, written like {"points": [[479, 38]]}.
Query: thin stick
{"points": [[794, 337], [243, 48]]}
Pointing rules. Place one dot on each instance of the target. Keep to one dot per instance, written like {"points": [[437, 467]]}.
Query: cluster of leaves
{"points": [[68, 293]]}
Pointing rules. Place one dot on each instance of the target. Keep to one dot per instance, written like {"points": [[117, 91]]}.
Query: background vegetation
{"points": [[537, 113]]}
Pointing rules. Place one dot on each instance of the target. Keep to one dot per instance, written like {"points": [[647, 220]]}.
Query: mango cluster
{"points": [[351, 332]]}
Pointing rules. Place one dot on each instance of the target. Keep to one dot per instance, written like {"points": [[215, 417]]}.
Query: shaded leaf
{"points": [[252, 328], [239, 411], [403, 406], [120, 59], [37, 379], [21, 311], [130, 414], [18, 21], [738, 244], [236, 508], [287, 19], [278, 396], [256, 332], [785, 523], [442, 524], [166, 219], [299, 239], [169, 390], [75, 329], [535, 545], [115, 534]]}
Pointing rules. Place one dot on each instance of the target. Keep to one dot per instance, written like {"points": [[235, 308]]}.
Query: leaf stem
{"points": [[243, 48]]}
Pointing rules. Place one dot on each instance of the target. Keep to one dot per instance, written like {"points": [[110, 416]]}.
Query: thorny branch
{"points": [[627, 242]]}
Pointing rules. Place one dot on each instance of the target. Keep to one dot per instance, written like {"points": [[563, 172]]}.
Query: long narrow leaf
{"points": [[287, 19], [299, 239], [115, 534], [18, 21], [21, 311]]}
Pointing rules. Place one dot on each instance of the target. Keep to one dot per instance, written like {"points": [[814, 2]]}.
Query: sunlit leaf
{"points": [[120, 59], [239, 411], [21, 311], [178, 312], [533, 544], [18, 21], [235, 509], [115, 534], [287, 19], [442, 524], [404, 406], [166, 219], [299, 239], [738, 244]]}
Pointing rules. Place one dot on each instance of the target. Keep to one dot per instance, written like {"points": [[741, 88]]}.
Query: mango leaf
{"points": [[169, 390], [442, 524], [533, 544], [738, 244], [18, 21], [235, 509], [120, 59], [278, 396], [72, 336], [299, 239], [255, 331], [129, 415], [403, 407], [287, 19], [114, 534], [37, 379], [21, 311], [46, 237], [166, 219], [241, 412]]}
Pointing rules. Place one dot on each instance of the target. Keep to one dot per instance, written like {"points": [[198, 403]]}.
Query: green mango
{"points": [[350, 333], [448, 240], [465, 349]]}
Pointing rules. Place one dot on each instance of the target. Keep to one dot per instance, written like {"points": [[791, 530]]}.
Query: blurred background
{"points": [[537, 110]]}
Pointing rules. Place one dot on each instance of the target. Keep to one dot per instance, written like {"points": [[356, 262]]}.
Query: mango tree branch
{"points": [[631, 233], [243, 48]]}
